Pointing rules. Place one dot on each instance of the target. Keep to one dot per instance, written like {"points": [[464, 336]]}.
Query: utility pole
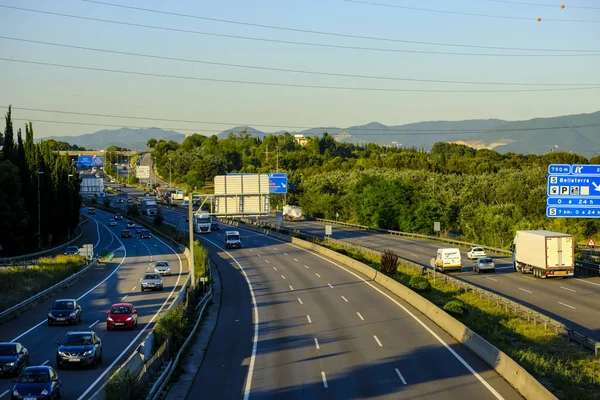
{"points": [[39, 212], [69, 192], [191, 229], [170, 173], [277, 165]]}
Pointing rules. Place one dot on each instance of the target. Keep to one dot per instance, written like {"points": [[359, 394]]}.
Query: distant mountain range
{"points": [[575, 133]]}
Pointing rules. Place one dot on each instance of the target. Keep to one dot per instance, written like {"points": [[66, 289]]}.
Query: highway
{"points": [[323, 332], [108, 283], [573, 301]]}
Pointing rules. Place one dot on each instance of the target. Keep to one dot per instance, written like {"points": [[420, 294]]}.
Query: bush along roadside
{"points": [[123, 385], [565, 369], [35, 279]]}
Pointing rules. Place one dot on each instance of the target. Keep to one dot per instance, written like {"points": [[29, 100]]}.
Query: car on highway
{"points": [[91, 211], [131, 225], [65, 311], [139, 229], [145, 234], [120, 201], [39, 382], [484, 264], [151, 281], [121, 315], [162, 267], [214, 226], [118, 217], [476, 252], [130, 200], [13, 358], [232, 239], [71, 250], [125, 233], [79, 348], [112, 222]]}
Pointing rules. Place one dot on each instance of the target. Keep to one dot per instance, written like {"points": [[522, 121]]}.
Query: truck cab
{"points": [[233, 239], [202, 222]]}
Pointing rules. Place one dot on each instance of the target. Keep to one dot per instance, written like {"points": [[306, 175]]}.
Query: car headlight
{"points": [[72, 314], [60, 353], [130, 318], [50, 315], [110, 319], [87, 353], [10, 364], [15, 393], [44, 392]]}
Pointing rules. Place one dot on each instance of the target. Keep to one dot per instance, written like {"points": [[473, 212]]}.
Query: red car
{"points": [[121, 315]]}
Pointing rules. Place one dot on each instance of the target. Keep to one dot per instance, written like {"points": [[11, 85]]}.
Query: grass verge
{"points": [[566, 370], [33, 280]]}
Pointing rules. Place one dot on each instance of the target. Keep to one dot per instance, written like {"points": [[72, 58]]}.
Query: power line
{"points": [[107, 125], [263, 68], [384, 130], [541, 4], [291, 85], [335, 34], [467, 14], [313, 44]]}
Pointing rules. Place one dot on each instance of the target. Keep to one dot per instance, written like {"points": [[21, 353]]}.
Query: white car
{"points": [[476, 252], [162, 268], [131, 225]]}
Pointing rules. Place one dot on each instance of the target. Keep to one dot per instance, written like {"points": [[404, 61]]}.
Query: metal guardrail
{"points": [[9, 313], [12, 261], [587, 267], [522, 311], [163, 379]]}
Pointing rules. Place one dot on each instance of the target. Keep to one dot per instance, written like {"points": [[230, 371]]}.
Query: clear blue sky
{"points": [[45, 87]]}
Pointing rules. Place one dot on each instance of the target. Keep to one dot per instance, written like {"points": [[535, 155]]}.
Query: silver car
{"points": [[162, 267], [151, 281], [484, 264]]}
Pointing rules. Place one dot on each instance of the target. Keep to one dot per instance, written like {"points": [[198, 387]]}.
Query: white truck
{"points": [[292, 213], [202, 222], [149, 207], [544, 254]]}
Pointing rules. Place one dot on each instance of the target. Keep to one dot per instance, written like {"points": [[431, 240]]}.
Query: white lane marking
{"points": [[306, 266], [267, 261], [163, 305], [45, 362], [491, 279], [258, 255], [255, 241], [360, 316], [377, 340], [345, 299], [566, 305], [309, 320], [413, 316], [324, 379], [133, 288], [275, 248], [285, 254], [317, 344], [591, 283], [291, 288], [330, 285], [400, 376], [283, 277], [251, 250], [98, 232], [570, 290], [124, 297], [275, 268], [90, 327], [248, 384], [413, 254], [525, 290], [318, 275], [295, 259], [4, 393], [300, 300]]}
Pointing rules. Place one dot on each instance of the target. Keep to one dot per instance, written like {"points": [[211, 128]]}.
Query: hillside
{"points": [[134, 139]]}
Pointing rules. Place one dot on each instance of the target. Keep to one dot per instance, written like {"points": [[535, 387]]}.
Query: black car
{"points": [[39, 382], [139, 229], [120, 201], [214, 226], [145, 234], [13, 358], [79, 348], [118, 217], [91, 211], [71, 250], [65, 311], [125, 233]]}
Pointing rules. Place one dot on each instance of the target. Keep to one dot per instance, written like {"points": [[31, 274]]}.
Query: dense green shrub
{"points": [[419, 284], [455, 308]]}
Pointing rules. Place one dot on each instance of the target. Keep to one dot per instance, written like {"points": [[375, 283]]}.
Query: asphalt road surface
{"points": [[573, 301], [108, 283]]}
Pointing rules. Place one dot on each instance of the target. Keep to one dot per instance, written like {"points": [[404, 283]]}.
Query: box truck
{"points": [[544, 254]]}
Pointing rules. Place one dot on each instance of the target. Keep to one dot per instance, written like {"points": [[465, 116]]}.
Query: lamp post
{"points": [[170, 172], [191, 229], [39, 212], [69, 193]]}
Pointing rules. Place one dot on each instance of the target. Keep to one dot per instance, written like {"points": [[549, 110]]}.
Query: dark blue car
{"points": [[13, 358], [40, 382], [71, 250]]}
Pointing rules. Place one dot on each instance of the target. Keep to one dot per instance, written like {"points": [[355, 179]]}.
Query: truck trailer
{"points": [[544, 254]]}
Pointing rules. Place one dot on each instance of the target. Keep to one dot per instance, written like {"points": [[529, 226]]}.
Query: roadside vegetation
{"points": [[19, 283], [564, 368]]}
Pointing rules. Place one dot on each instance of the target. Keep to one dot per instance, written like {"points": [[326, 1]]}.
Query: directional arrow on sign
{"points": [[596, 187]]}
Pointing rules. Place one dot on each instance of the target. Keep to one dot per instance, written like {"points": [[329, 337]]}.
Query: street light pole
{"points": [[70, 204], [170, 172], [277, 164], [39, 212], [191, 229]]}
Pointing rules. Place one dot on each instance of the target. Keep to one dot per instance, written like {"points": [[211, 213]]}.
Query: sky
{"points": [[227, 104]]}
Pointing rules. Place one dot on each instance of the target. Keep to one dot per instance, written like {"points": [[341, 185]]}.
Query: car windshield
{"points": [[121, 310], [233, 237], [34, 377], [78, 340], [477, 248], [162, 264], [8, 349], [145, 232], [151, 276], [485, 260], [204, 220], [63, 305]]}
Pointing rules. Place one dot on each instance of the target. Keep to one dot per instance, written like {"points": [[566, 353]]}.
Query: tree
{"points": [[13, 215], [8, 149], [151, 143]]}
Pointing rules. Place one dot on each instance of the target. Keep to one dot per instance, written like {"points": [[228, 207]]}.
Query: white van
{"points": [[233, 239], [448, 260]]}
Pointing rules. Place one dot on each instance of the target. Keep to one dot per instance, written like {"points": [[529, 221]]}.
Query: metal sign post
{"points": [[328, 231], [436, 227]]}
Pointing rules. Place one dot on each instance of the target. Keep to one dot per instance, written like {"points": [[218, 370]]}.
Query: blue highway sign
{"points": [[574, 185], [559, 169], [574, 201], [573, 212], [278, 183], [585, 169]]}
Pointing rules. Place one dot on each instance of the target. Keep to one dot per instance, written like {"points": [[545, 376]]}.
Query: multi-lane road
{"points": [[293, 324], [108, 283], [573, 301]]}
